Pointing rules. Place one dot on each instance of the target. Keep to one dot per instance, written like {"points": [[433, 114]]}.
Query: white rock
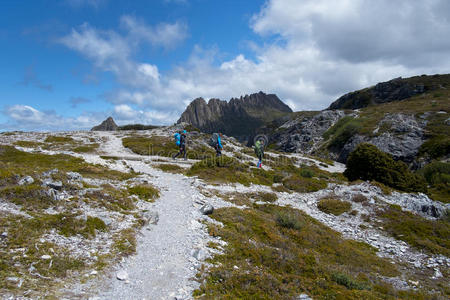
{"points": [[94, 272], [122, 275], [46, 257]]}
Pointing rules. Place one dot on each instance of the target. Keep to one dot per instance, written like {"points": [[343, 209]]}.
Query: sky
{"points": [[69, 64]]}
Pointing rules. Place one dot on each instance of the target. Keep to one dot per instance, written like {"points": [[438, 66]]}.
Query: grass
{"points": [[334, 206], [15, 162], [432, 236], [88, 148], [281, 252], [304, 185], [145, 192]]}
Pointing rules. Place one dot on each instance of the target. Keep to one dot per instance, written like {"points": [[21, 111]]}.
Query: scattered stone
{"points": [[26, 180], [236, 267], [4, 235], [207, 209], [122, 275], [12, 279], [46, 257], [304, 297], [199, 254], [74, 176], [57, 185], [94, 272], [49, 173]]}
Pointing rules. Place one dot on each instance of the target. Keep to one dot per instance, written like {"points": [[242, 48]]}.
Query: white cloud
{"points": [[164, 34], [316, 50]]}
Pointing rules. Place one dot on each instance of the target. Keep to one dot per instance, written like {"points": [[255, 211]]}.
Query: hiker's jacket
{"points": [[219, 143]]}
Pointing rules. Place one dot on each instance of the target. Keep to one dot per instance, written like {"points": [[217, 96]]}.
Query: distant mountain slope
{"points": [[240, 117], [389, 91]]}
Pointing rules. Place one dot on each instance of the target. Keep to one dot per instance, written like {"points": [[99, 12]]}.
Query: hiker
{"points": [[259, 151], [182, 144], [216, 142]]}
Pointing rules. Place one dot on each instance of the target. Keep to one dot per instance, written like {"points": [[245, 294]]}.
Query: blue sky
{"points": [[69, 64]]}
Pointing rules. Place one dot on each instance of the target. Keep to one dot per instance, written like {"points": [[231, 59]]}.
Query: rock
{"points": [[199, 254], [74, 176], [107, 125], [122, 275], [57, 185], [4, 235], [207, 209], [49, 173], [304, 297], [12, 279], [46, 257], [26, 180], [93, 272], [151, 217]]}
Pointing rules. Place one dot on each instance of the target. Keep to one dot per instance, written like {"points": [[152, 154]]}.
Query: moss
{"points": [[430, 235], [281, 257], [145, 192], [334, 206]]}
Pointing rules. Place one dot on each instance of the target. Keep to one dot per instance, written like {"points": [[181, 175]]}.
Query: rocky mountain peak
{"points": [[106, 125], [237, 117]]}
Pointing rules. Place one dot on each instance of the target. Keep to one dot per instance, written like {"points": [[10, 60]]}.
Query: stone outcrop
{"points": [[304, 132], [107, 125], [240, 117]]}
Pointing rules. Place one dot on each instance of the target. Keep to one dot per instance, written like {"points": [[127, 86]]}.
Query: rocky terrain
{"points": [[107, 125], [130, 223]]}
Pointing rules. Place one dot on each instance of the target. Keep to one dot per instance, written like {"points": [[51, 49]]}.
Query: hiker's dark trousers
{"points": [[181, 152], [218, 150]]}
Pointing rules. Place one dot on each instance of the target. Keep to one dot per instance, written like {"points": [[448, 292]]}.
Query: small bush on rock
{"points": [[367, 162], [333, 206]]}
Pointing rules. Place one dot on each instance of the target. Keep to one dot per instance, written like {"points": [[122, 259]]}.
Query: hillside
{"points": [[118, 217]]}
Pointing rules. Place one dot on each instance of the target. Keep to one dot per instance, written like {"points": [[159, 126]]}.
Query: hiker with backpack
{"points": [[259, 151], [216, 142], [180, 141]]}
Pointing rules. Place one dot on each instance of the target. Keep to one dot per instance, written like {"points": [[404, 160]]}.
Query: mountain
{"points": [[107, 125], [393, 90], [240, 117]]}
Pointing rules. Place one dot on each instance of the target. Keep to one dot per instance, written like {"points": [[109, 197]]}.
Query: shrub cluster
{"points": [[367, 162]]}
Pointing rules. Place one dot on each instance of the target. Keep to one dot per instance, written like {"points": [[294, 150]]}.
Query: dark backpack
{"points": [[213, 140]]}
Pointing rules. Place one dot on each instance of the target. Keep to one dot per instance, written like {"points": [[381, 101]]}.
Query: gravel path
{"points": [[164, 265]]}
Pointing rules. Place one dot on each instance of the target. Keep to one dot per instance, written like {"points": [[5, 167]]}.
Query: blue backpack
{"points": [[177, 137]]}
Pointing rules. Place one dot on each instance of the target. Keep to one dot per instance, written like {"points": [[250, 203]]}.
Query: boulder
{"points": [[207, 209], [26, 180]]}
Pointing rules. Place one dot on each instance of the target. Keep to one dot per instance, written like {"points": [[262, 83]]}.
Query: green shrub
{"points": [[333, 206], [367, 162], [339, 124], [348, 282], [288, 220], [172, 168], [344, 133], [437, 174], [436, 147], [307, 173]]}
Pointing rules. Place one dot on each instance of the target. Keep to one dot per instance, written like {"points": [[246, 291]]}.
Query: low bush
{"points": [[304, 185], [367, 162], [145, 192], [359, 198], [58, 139], [334, 206]]}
